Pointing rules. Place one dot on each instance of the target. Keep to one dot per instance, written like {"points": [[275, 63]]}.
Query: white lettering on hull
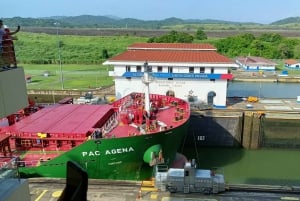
{"points": [[107, 152], [118, 151], [90, 153]]}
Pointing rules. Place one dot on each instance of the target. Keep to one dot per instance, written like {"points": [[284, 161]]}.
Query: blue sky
{"points": [[260, 11]]}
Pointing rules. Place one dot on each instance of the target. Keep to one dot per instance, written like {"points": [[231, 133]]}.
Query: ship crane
{"points": [[147, 80]]}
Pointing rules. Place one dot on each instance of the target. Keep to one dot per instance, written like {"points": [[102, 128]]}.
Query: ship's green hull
{"points": [[113, 158]]}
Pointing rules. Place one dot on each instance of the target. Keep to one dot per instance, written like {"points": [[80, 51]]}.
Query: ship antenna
{"points": [[146, 81]]}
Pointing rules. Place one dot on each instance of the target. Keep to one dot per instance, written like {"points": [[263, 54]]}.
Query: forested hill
{"points": [[290, 20], [91, 21]]}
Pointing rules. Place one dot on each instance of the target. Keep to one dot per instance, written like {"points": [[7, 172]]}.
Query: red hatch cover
{"points": [[68, 118]]}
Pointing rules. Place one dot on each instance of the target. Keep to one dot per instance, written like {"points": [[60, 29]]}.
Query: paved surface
{"points": [[50, 190], [288, 105], [43, 189]]}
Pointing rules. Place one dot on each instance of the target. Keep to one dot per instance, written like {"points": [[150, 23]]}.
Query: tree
{"points": [[172, 37], [105, 54], [235, 45], [271, 37], [284, 51], [200, 35], [297, 51]]}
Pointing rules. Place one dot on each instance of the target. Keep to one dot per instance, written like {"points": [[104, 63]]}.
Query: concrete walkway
{"points": [[288, 105]]}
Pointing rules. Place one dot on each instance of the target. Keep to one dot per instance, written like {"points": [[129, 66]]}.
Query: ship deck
{"points": [[79, 121], [165, 117]]}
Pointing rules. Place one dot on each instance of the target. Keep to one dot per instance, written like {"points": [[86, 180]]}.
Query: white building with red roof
{"points": [[194, 72], [292, 63], [252, 63]]}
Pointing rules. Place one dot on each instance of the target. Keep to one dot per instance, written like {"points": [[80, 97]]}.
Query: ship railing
{"points": [[96, 134], [162, 125], [121, 102], [125, 103], [16, 162], [107, 128], [8, 173], [9, 163], [8, 168], [31, 163]]}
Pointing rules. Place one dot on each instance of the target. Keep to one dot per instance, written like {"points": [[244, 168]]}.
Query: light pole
{"points": [[59, 56]]}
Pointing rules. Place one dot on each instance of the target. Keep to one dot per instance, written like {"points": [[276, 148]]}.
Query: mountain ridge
{"points": [[110, 21]]}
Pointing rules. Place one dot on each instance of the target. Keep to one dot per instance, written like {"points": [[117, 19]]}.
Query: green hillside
{"points": [[289, 20]]}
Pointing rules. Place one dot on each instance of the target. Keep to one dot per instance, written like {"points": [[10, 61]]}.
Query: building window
{"points": [[170, 69], [212, 70], [201, 138], [191, 69], [138, 68], [159, 69], [202, 69], [127, 68], [186, 173]]}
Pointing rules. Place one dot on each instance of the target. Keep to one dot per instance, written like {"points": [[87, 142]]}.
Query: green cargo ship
{"points": [[121, 141]]}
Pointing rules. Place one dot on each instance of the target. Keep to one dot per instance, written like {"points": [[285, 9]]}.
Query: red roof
{"points": [[251, 60], [174, 46], [291, 61], [171, 52], [67, 118]]}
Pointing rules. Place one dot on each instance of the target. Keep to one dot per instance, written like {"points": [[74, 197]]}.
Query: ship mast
{"points": [[146, 81]]}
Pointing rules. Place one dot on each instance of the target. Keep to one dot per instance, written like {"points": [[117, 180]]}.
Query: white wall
{"points": [[182, 88], [297, 65], [268, 68]]}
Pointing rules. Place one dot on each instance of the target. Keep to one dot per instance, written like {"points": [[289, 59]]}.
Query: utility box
{"points": [[13, 91]]}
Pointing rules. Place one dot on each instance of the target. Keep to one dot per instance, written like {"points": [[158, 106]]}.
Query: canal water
{"points": [[263, 89], [263, 166], [240, 166]]}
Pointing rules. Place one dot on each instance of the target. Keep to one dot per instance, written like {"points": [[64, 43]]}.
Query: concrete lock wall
{"points": [[281, 130], [251, 130], [247, 129], [276, 129], [215, 128]]}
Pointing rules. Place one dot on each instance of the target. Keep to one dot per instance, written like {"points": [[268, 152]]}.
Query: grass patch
{"points": [[33, 48], [75, 76]]}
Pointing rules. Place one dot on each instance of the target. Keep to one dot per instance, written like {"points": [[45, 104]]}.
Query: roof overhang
{"points": [[137, 63]]}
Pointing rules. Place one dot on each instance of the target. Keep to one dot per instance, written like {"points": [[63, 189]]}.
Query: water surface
{"points": [[240, 166], [263, 89]]}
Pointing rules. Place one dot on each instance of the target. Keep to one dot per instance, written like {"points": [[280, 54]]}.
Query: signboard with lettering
{"points": [[182, 75]]}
